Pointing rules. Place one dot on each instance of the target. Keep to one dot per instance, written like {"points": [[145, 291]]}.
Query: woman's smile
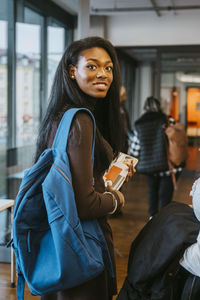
{"points": [[101, 85]]}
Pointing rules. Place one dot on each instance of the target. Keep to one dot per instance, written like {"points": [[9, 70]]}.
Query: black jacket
{"points": [[153, 156], [154, 271]]}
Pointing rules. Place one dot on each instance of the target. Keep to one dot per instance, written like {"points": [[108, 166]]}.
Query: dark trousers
{"points": [[191, 290], [160, 192]]}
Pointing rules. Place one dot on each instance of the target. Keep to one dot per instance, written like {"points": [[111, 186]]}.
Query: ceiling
{"points": [[185, 59]]}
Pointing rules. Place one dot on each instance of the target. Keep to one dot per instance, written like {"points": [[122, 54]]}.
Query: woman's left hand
{"points": [[131, 170]]}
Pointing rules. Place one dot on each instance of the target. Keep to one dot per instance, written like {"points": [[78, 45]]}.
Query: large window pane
{"points": [[3, 106], [27, 82], [56, 43]]}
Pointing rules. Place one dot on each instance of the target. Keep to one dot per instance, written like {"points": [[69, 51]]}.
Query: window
{"points": [[23, 98], [27, 82], [56, 44]]}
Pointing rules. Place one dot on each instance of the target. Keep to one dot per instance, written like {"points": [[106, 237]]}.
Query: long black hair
{"points": [[66, 91]]}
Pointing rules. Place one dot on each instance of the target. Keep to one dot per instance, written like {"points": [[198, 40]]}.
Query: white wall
{"points": [[145, 29]]}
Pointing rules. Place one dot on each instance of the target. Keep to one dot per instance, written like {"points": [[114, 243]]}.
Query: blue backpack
{"points": [[54, 249]]}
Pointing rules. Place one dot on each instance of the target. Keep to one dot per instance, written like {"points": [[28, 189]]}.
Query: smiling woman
{"points": [[93, 72], [88, 76]]}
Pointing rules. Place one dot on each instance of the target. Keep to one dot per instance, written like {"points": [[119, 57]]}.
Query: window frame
{"points": [[49, 11]]}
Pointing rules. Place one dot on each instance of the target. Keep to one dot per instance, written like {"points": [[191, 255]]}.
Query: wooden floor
{"points": [[125, 227]]}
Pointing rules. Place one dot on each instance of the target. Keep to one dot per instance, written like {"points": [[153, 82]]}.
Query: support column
{"points": [[158, 75], [145, 84], [83, 19]]}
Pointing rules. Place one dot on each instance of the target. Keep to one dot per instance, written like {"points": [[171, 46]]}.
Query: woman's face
{"points": [[93, 72]]}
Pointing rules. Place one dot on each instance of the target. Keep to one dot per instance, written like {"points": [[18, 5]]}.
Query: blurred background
{"points": [[158, 46]]}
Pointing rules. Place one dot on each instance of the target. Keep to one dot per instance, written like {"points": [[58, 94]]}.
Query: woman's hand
{"points": [[119, 194], [131, 170]]}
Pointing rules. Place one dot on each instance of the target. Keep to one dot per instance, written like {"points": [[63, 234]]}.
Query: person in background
{"points": [[149, 145], [154, 270], [88, 76], [126, 124]]}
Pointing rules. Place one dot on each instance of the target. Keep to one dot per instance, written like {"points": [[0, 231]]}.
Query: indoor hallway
{"points": [[135, 214], [125, 227]]}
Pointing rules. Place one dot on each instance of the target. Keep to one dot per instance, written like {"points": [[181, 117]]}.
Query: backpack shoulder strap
{"points": [[61, 137], [20, 286]]}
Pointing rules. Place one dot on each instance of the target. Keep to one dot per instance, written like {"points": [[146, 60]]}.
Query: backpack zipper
{"points": [[62, 173], [29, 241], [25, 186]]}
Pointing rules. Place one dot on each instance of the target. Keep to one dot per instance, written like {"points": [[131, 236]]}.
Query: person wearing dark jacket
{"points": [[172, 269], [154, 271], [149, 145]]}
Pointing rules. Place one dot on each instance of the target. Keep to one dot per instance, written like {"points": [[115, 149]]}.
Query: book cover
{"points": [[118, 170]]}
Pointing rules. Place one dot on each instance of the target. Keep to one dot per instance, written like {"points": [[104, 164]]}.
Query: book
{"points": [[118, 170]]}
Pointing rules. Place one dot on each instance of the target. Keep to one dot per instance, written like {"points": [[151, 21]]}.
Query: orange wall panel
{"points": [[193, 106]]}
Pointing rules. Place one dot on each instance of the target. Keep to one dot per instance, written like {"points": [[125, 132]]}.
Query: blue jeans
{"points": [[160, 192]]}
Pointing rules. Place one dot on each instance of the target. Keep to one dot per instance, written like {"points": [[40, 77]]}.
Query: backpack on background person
{"points": [[177, 143], [54, 249]]}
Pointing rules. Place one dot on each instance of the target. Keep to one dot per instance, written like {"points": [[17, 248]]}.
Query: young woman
{"points": [[88, 76]]}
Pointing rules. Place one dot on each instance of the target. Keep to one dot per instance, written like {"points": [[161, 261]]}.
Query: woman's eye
{"points": [[91, 67], [109, 68]]}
